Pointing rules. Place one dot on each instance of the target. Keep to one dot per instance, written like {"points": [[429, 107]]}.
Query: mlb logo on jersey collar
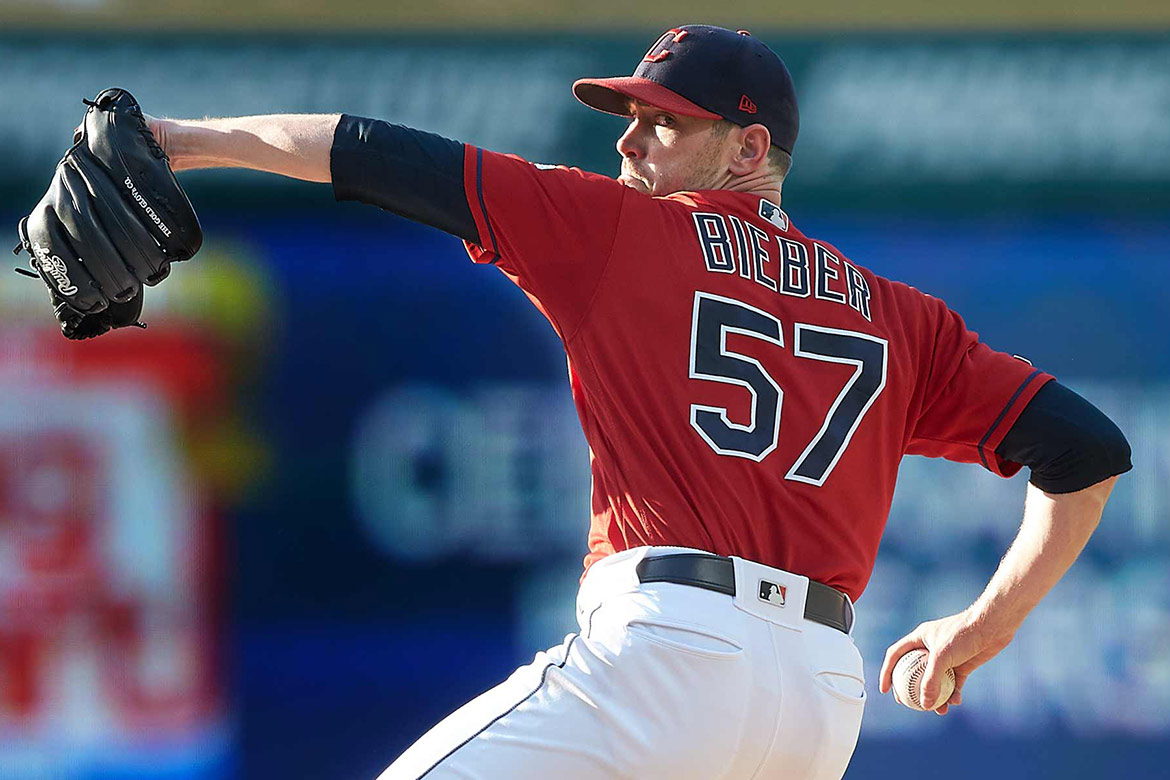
{"points": [[773, 593], [773, 213]]}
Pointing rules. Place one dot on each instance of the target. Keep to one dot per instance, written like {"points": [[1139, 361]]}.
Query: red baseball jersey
{"points": [[744, 389]]}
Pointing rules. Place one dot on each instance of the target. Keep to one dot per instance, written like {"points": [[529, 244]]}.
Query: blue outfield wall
{"points": [[366, 607], [350, 641]]}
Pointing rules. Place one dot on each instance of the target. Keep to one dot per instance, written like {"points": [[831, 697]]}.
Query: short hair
{"points": [[779, 160]]}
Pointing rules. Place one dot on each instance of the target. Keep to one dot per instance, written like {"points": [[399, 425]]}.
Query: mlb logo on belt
{"points": [[773, 593]]}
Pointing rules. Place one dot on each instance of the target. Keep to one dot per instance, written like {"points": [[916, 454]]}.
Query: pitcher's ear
{"points": [[754, 142]]}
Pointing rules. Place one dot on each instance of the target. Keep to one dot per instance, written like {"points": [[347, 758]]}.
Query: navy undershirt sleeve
{"points": [[415, 174], [1067, 442]]}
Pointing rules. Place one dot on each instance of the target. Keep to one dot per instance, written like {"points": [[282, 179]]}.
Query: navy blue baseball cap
{"points": [[707, 72]]}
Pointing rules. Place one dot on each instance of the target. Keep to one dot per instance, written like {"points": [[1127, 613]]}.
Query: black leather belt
{"points": [[824, 605]]}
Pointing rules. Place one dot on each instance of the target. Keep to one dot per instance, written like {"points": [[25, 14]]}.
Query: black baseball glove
{"points": [[114, 219]]}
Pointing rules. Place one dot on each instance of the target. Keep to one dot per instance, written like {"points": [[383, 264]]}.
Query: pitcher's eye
{"points": [[666, 120]]}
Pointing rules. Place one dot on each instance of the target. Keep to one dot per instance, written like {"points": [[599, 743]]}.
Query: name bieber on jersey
{"points": [[732, 245]]}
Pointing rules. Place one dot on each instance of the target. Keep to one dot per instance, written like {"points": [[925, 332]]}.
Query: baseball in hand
{"points": [[908, 674]]}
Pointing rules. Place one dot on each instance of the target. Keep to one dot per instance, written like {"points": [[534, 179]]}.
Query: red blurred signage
{"points": [[109, 579]]}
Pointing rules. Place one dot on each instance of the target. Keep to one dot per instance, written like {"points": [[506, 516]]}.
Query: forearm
{"points": [[415, 174], [1055, 529], [1075, 453], [294, 145]]}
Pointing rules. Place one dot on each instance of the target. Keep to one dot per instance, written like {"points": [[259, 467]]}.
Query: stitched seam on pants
{"points": [[509, 711], [772, 629]]}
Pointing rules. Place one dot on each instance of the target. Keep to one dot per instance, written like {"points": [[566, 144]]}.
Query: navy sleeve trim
{"points": [[409, 172], [1067, 442], [1007, 407], [483, 206]]}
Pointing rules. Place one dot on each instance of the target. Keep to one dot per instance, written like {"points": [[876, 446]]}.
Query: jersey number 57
{"points": [[713, 318]]}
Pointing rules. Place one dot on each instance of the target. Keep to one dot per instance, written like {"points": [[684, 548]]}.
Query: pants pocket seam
{"points": [[824, 686], [638, 626]]}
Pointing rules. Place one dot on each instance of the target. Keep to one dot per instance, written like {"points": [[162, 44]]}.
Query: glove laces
{"points": [[143, 129]]}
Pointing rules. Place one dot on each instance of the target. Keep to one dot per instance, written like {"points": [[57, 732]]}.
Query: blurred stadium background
{"points": [[338, 487]]}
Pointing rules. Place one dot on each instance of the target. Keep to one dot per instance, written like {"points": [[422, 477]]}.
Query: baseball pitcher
{"points": [[747, 393]]}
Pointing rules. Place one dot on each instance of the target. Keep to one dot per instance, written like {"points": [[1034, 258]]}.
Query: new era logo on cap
{"points": [[746, 105], [773, 593]]}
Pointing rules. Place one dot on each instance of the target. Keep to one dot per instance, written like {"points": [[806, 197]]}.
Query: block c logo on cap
{"points": [[773, 593], [658, 52]]}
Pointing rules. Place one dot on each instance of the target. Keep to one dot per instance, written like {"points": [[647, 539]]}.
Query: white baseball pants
{"points": [[664, 681]]}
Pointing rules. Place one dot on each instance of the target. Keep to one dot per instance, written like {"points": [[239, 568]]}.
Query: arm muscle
{"points": [[294, 145]]}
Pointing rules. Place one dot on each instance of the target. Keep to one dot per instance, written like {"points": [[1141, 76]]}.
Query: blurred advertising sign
{"points": [[486, 91], [111, 582], [896, 110], [970, 109], [502, 473]]}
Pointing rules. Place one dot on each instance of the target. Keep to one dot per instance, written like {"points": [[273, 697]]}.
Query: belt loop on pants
{"points": [[824, 605]]}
